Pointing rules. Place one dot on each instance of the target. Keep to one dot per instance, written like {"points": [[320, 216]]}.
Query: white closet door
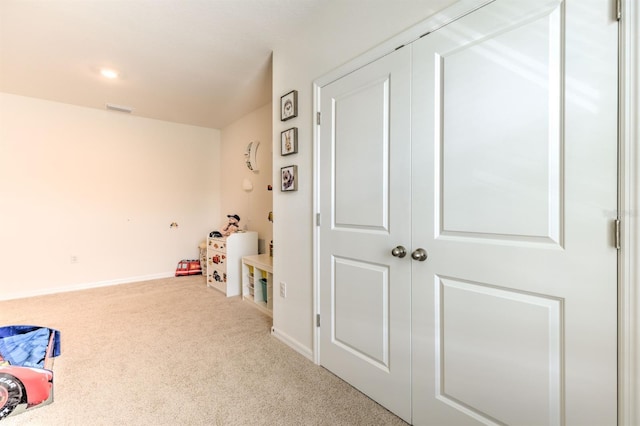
{"points": [[514, 116], [365, 200]]}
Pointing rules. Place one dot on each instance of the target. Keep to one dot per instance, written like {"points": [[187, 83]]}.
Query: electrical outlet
{"points": [[74, 258], [283, 289]]}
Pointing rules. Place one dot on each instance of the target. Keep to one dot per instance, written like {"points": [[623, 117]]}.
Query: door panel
{"points": [[361, 123], [514, 311], [365, 292], [505, 339], [361, 310], [493, 184]]}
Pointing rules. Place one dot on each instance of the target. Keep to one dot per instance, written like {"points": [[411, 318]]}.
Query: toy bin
{"points": [[263, 283]]}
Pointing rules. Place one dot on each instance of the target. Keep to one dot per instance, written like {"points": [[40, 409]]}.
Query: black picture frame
{"points": [[289, 106], [289, 178], [289, 141]]}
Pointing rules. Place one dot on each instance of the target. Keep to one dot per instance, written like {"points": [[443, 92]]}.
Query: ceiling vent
{"points": [[119, 108]]}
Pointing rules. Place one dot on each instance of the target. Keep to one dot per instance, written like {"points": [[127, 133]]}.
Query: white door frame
{"points": [[629, 187], [629, 208]]}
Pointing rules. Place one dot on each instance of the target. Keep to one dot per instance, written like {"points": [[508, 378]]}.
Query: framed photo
{"points": [[289, 141], [289, 106], [289, 178]]}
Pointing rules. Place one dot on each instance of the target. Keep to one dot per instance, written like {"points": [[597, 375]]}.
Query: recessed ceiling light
{"points": [[109, 73]]}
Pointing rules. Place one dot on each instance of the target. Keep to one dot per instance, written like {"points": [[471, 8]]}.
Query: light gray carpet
{"points": [[172, 352]]}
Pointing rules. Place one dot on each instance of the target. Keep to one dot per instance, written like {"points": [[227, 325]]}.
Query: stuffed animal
{"points": [[232, 226]]}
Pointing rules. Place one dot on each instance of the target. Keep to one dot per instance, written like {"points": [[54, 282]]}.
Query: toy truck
{"points": [[188, 267]]}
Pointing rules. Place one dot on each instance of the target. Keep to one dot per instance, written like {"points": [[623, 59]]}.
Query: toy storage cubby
{"points": [[257, 279]]}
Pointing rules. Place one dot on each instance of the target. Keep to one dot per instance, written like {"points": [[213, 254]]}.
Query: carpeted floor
{"points": [[172, 352]]}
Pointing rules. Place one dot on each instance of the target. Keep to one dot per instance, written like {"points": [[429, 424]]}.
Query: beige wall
{"points": [[253, 207], [101, 186]]}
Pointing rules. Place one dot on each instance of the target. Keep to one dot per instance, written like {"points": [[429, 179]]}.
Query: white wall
{"points": [[102, 186], [252, 207], [344, 30]]}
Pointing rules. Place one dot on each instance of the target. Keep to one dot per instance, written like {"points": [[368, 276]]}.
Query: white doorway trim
{"points": [[629, 269]]}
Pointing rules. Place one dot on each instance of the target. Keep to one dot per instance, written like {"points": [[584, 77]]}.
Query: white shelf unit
{"points": [[255, 268], [224, 254]]}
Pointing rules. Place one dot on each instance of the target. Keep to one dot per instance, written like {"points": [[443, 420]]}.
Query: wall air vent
{"points": [[119, 108]]}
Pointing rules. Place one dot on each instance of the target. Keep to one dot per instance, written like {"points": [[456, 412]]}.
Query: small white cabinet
{"points": [[257, 282], [224, 254]]}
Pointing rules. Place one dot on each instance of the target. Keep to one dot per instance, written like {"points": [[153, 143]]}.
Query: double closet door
{"points": [[468, 192]]}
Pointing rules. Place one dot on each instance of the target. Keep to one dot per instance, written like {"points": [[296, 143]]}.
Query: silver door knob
{"points": [[419, 254], [399, 252]]}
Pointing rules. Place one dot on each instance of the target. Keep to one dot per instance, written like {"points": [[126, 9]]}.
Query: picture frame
{"points": [[289, 141], [289, 178], [289, 106]]}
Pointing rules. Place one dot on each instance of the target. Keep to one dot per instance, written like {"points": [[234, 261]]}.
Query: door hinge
{"points": [[618, 235], [317, 219], [618, 10], [318, 320], [318, 118]]}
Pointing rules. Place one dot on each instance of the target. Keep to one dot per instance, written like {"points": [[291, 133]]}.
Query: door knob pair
{"points": [[419, 254]]}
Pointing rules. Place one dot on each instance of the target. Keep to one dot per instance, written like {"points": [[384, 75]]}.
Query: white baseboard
{"points": [[292, 343], [83, 286]]}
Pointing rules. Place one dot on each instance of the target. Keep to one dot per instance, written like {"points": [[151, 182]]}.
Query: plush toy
{"points": [[232, 226]]}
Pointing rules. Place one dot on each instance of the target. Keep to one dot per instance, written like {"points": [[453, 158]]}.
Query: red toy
{"points": [[20, 385], [188, 267], [26, 360]]}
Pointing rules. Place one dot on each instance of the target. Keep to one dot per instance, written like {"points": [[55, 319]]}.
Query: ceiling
{"points": [[198, 62]]}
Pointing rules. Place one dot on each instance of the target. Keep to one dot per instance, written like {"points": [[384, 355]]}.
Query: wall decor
{"points": [[289, 141], [289, 106], [289, 178], [250, 156]]}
